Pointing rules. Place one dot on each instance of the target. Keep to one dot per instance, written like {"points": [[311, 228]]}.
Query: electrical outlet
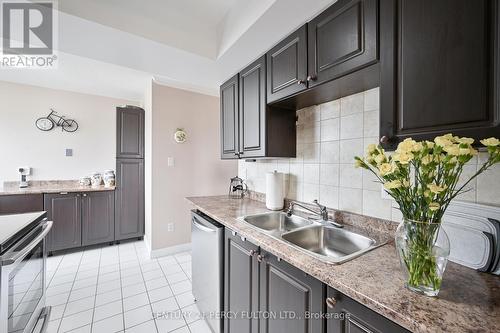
{"points": [[69, 152], [170, 227], [170, 162]]}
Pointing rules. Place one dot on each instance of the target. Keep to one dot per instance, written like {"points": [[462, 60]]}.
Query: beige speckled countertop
{"points": [[49, 186], [468, 302]]}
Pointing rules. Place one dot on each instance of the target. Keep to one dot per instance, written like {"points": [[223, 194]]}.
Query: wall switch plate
{"points": [[170, 162], [69, 152], [170, 227]]}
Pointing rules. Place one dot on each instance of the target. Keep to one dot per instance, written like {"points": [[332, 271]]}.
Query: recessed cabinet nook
{"points": [[431, 81]]}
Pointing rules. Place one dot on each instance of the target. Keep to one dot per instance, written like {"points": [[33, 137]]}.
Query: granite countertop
{"points": [[468, 302], [50, 186]]}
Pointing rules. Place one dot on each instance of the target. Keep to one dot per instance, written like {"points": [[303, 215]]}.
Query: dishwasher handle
{"points": [[197, 222]]}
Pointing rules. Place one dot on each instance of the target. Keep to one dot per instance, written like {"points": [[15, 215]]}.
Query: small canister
{"points": [[96, 179], [109, 178]]}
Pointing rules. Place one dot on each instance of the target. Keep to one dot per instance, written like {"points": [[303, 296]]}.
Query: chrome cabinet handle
{"points": [[252, 253], [384, 139], [330, 302], [261, 257], [299, 82], [84, 194], [312, 78]]}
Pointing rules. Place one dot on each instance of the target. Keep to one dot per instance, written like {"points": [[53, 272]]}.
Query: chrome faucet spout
{"points": [[323, 213]]}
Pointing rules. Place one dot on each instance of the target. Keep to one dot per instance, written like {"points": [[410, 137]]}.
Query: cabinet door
{"points": [[229, 121], [22, 203], [342, 39], [287, 66], [439, 69], [290, 294], [355, 318], [129, 132], [98, 217], [241, 290], [65, 212], [129, 198], [253, 109]]}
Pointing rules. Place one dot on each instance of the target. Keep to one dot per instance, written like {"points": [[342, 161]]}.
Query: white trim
{"points": [[185, 86], [169, 250]]}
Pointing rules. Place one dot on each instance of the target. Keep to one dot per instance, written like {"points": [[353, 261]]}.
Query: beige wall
{"points": [[197, 170], [328, 137], [22, 144]]}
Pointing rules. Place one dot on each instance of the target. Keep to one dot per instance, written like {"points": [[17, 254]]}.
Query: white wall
{"points": [[328, 137], [197, 169], [22, 144]]}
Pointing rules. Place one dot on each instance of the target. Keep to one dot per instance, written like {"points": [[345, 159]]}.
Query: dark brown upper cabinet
{"points": [[287, 66], [98, 217], [65, 211], [341, 40], [252, 112], [439, 69], [249, 128], [229, 107], [130, 132]]}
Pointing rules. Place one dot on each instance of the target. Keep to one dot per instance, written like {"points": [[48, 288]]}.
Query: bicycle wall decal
{"points": [[53, 119]]}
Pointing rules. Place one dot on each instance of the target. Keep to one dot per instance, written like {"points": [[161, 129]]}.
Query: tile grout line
{"points": [[121, 286], [173, 295], [71, 290], [147, 293], [96, 286]]}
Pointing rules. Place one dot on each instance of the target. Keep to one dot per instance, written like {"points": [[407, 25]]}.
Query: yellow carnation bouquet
{"points": [[423, 178]]}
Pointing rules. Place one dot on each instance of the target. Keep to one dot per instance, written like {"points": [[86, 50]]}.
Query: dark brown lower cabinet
{"points": [[241, 290], [263, 294], [21, 203], [65, 211], [348, 315], [129, 198], [289, 297], [98, 217]]}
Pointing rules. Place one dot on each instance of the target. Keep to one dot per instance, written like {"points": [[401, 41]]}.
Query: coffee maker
{"points": [[24, 171], [237, 188]]}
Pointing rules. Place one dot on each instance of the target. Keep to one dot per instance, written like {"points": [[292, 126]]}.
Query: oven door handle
{"points": [[12, 257]]}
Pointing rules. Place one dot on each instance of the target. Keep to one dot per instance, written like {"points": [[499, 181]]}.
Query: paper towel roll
{"points": [[274, 190]]}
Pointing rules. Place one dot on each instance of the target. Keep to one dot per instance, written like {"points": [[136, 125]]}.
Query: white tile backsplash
{"points": [[328, 137]]}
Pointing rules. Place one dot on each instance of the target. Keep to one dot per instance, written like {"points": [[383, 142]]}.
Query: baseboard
{"points": [[169, 250]]}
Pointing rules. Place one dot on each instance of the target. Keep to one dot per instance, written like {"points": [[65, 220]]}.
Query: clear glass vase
{"points": [[423, 250]]}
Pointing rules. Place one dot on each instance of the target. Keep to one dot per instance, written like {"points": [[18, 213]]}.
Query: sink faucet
{"points": [[323, 212]]}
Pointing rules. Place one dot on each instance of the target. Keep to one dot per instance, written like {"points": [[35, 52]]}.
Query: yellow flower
{"points": [[406, 183], [380, 159], [433, 206], [392, 185], [418, 146], [452, 149], [468, 141], [369, 159], [491, 142], [386, 169], [406, 146], [403, 158], [371, 148], [358, 163], [453, 160], [436, 189], [427, 159], [443, 141], [430, 144]]}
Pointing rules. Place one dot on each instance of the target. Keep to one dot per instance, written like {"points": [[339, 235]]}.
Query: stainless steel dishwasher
{"points": [[207, 242]]}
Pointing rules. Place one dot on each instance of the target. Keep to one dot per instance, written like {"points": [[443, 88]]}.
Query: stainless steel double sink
{"points": [[328, 243]]}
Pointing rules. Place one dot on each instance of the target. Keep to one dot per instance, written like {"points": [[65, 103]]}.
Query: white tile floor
{"points": [[120, 289]]}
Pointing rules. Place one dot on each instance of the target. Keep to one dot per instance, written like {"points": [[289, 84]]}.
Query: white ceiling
{"points": [[111, 47], [190, 25]]}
